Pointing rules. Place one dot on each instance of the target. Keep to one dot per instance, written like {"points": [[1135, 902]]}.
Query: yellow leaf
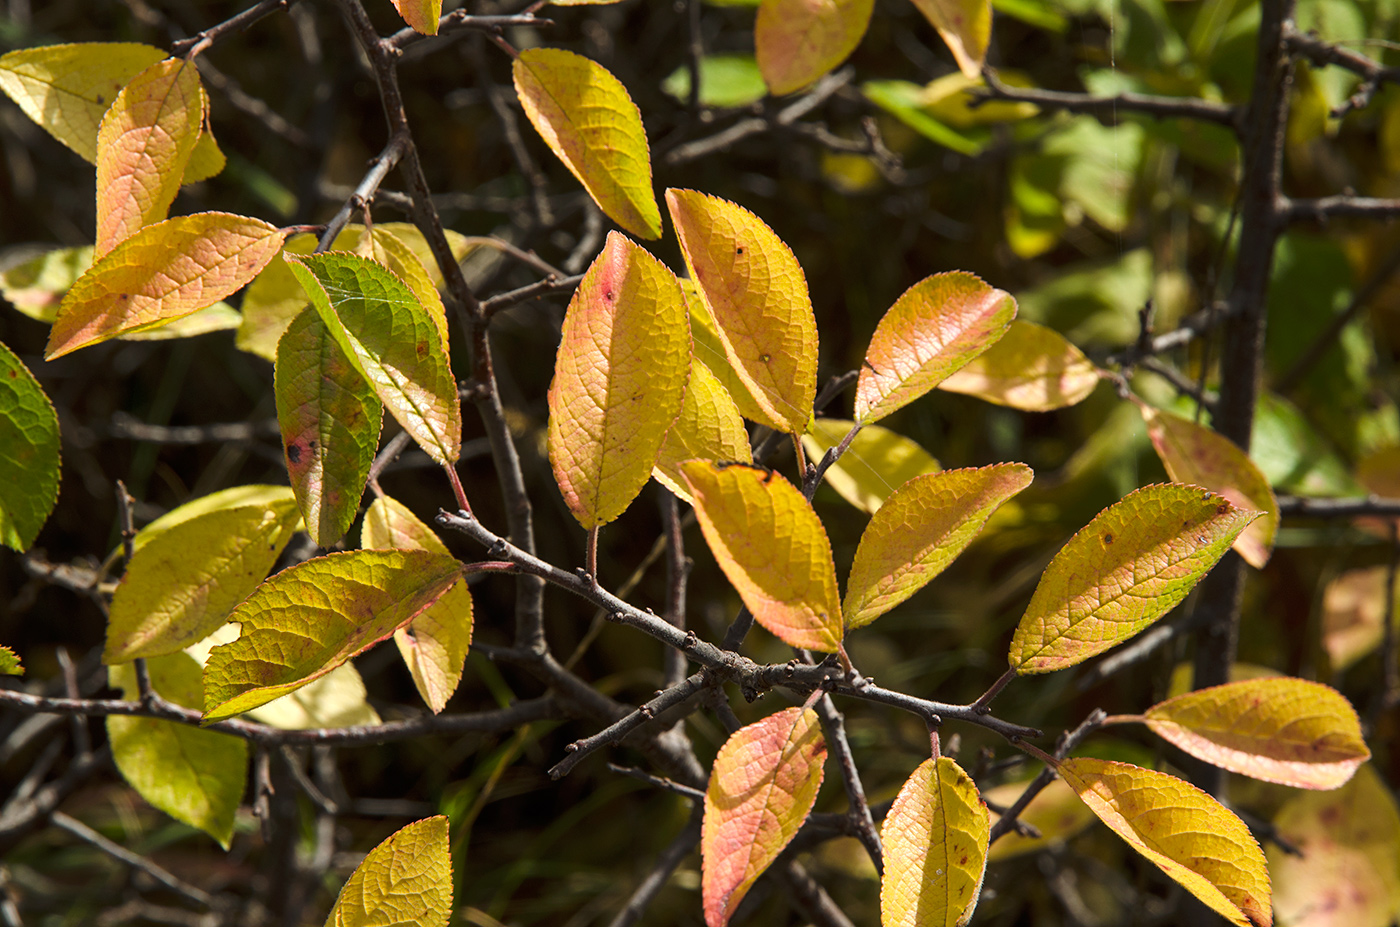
{"points": [[763, 785], [254, 494], [709, 350], [878, 461], [798, 41], [709, 428], [772, 547], [586, 117], [965, 25], [1055, 811], [935, 841], [1032, 368], [407, 879], [422, 15], [1183, 831]]}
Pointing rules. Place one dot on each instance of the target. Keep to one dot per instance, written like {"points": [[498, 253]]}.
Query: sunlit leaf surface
{"points": [[709, 428], [878, 461], [407, 879], [798, 41], [1032, 368], [966, 25], [422, 15]]}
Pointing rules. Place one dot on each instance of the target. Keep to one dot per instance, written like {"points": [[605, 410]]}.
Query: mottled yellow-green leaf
{"points": [[1353, 614], [762, 787], [709, 350], [798, 41], [207, 160], [772, 547], [164, 272], [434, 645], [619, 380], [878, 461], [36, 286], [1195, 454], [220, 317], [311, 618], [253, 494], [1184, 832], [405, 880], [330, 420], [935, 840], [757, 295], [337, 699], [921, 529], [966, 27], [1055, 811], [192, 775], [29, 454], [1280, 729], [393, 342], [934, 329], [1032, 368], [588, 120], [9, 663], [402, 259], [1349, 871], [422, 15], [183, 584], [708, 428], [144, 142], [1128, 567]]}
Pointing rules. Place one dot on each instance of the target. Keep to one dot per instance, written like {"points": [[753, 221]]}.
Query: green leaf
{"points": [[588, 120], [164, 272], [194, 776], [878, 461], [935, 840], [906, 102], [757, 295], [9, 663], [773, 548], [762, 787], [311, 618], [966, 27], [29, 455], [182, 585], [709, 428], [1128, 567], [1032, 367], [330, 420], [405, 880], [619, 380], [392, 340], [935, 328], [920, 529], [799, 41], [725, 81]]}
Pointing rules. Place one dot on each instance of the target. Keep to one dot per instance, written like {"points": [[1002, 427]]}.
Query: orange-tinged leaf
{"points": [[619, 380], [798, 41], [709, 428], [164, 272], [434, 645], [709, 350], [920, 529], [876, 463], [935, 328], [1055, 811], [772, 547], [407, 879], [1128, 567], [965, 25], [1195, 454], [1183, 831], [312, 617], [330, 420], [586, 117], [143, 144], [1353, 615], [422, 15], [1284, 730], [935, 840], [757, 295], [1032, 368], [1349, 873], [393, 342], [762, 787]]}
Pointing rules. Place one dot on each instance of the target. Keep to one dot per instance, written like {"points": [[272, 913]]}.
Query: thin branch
{"points": [[460, 21], [188, 48], [810, 897], [1341, 206], [834, 726], [671, 857], [678, 567], [1189, 329], [548, 285], [684, 791], [1305, 507], [1323, 53], [663, 701], [1067, 743], [364, 192], [115, 850], [124, 425], [1109, 107]]}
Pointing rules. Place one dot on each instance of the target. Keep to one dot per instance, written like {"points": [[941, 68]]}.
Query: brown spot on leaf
{"points": [[422, 349], [294, 453], [1107, 538]]}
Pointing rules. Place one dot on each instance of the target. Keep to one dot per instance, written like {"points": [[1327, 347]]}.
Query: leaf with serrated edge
{"points": [[757, 295], [920, 529], [762, 787], [1195, 454], [407, 879], [591, 124], [935, 840], [164, 272], [9, 663], [619, 380], [330, 421], [311, 618], [434, 645], [181, 586], [878, 461], [1284, 730], [773, 548], [29, 454], [1032, 368], [192, 775], [709, 428], [143, 144], [392, 340], [798, 41], [965, 25], [1128, 567], [1181, 830], [396, 255], [935, 327], [422, 15]]}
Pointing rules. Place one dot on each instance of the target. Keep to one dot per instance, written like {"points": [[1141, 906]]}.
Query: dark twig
{"points": [[834, 726], [1341, 206], [1108, 107], [1305, 507], [124, 425], [678, 567], [664, 700], [684, 791], [379, 168], [115, 850], [810, 897], [1067, 742], [548, 285], [1323, 53], [460, 21], [651, 885], [188, 48]]}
